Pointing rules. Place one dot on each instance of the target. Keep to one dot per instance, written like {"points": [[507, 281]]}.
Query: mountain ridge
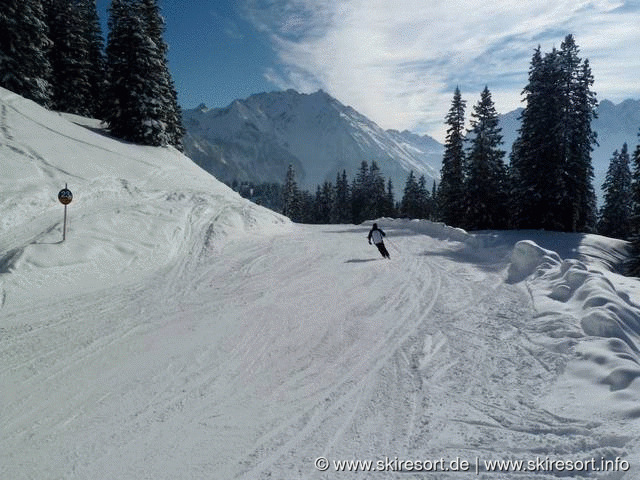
{"points": [[255, 139]]}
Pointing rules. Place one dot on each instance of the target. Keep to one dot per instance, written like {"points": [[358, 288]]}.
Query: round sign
{"points": [[65, 196]]}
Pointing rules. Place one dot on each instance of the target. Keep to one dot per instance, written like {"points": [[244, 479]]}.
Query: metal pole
{"points": [[64, 228]]}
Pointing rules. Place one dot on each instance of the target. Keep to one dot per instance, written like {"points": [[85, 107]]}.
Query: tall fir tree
{"points": [[579, 110], [410, 203], [70, 63], [635, 184], [551, 170], [535, 165], [140, 104], [634, 260], [451, 189], [342, 204], [485, 179], [424, 199], [616, 211], [24, 50], [97, 68], [359, 200], [375, 195], [323, 203], [389, 202], [172, 111], [291, 196]]}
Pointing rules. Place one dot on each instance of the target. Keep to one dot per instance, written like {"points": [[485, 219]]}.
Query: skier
{"points": [[376, 234]]}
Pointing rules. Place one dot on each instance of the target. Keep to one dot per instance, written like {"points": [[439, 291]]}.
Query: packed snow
{"points": [[183, 332]]}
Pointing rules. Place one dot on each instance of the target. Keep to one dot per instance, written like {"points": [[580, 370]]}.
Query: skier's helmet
{"points": [[375, 225]]}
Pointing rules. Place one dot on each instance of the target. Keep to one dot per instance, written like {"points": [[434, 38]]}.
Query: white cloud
{"points": [[398, 62]]}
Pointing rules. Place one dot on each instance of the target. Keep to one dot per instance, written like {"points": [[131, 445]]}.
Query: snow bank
{"points": [[585, 307], [425, 227], [526, 258], [134, 209]]}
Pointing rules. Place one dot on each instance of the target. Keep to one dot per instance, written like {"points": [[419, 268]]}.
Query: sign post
{"points": [[65, 196]]}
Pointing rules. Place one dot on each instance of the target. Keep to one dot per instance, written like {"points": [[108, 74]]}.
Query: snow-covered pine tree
{"points": [[97, 73], [139, 102], [451, 189], [70, 63], [485, 177], [616, 211], [24, 50], [173, 113], [291, 195]]}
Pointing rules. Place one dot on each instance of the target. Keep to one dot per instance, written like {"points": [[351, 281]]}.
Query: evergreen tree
{"points": [[435, 212], [323, 203], [551, 170], [616, 212], [24, 47], [359, 201], [172, 111], [536, 167], [635, 185], [389, 202], [451, 188], [375, 194], [291, 206], [424, 199], [579, 205], [634, 261], [342, 205], [140, 104], [306, 212], [70, 64], [97, 68], [486, 182], [410, 203]]}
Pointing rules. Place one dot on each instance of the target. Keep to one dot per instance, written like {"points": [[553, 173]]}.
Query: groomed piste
{"points": [[183, 332]]}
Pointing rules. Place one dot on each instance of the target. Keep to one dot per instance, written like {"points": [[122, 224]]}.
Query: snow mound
{"points": [[135, 209], [526, 258], [580, 308], [437, 230]]}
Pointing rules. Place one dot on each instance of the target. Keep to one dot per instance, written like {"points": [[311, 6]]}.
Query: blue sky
{"points": [[398, 61], [215, 53]]}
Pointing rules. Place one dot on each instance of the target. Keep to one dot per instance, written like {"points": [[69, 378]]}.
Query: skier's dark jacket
{"points": [[376, 234]]}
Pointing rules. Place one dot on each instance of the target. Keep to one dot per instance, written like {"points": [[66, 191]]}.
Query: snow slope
{"points": [[181, 332]]}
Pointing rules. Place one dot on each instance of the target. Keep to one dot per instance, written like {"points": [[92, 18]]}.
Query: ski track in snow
{"points": [[182, 332], [250, 360]]}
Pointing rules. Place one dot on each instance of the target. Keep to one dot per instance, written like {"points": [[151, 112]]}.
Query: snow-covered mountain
{"points": [[257, 138], [615, 125], [181, 332]]}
